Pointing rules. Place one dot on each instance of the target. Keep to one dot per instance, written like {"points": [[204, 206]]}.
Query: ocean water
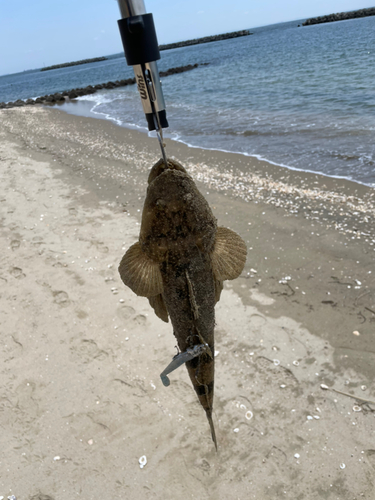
{"points": [[300, 97]]}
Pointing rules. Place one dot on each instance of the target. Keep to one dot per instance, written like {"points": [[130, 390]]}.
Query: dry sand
{"points": [[81, 399]]}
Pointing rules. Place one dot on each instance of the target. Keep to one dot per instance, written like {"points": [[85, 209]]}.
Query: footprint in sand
{"points": [[101, 247], [87, 350], [279, 374], [204, 467], [201, 469], [257, 321], [37, 240], [27, 400], [41, 496], [61, 298], [370, 454], [125, 312], [81, 314], [59, 264], [15, 244], [277, 456], [140, 320], [17, 272]]}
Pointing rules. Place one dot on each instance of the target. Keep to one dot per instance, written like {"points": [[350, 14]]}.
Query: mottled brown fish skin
{"points": [[178, 229], [180, 263], [176, 217], [188, 329]]}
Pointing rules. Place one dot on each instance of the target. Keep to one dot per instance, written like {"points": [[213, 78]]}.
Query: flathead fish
{"points": [[179, 263]]}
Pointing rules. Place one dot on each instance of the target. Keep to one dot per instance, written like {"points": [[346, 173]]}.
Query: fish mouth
{"points": [[160, 167]]}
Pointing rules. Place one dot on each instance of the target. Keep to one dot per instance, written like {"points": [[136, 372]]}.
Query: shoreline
{"points": [[260, 158], [247, 177], [82, 400], [81, 108]]}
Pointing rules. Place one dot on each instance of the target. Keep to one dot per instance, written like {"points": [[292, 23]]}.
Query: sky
{"points": [[43, 33]]}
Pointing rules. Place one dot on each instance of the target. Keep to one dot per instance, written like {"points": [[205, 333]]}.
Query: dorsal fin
{"points": [[140, 273], [229, 254]]}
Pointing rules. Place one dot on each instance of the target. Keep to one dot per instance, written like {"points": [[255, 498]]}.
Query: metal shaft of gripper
{"points": [[141, 49]]}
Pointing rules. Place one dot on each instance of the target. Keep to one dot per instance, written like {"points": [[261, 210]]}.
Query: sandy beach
{"points": [[81, 399]]}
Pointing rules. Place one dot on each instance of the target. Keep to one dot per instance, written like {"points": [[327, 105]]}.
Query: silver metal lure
{"points": [[180, 359]]}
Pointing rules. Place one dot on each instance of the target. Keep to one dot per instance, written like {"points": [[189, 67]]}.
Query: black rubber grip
{"points": [[139, 39], [162, 118]]}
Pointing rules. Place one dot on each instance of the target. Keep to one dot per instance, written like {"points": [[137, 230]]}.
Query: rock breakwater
{"points": [[75, 63], [206, 39], [342, 16], [65, 95]]}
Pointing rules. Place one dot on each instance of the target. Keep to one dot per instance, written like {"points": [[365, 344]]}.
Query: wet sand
{"points": [[81, 399]]}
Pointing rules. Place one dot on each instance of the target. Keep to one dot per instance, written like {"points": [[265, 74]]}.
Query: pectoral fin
{"points": [[229, 255], [140, 273], [157, 302], [218, 290]]}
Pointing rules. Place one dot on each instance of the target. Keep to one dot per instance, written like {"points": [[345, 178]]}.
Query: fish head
{"points": [[161, 167], [176, 217]]}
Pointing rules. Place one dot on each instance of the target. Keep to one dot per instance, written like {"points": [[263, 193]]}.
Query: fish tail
{"points": [[212, 427], [201, 372]]}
